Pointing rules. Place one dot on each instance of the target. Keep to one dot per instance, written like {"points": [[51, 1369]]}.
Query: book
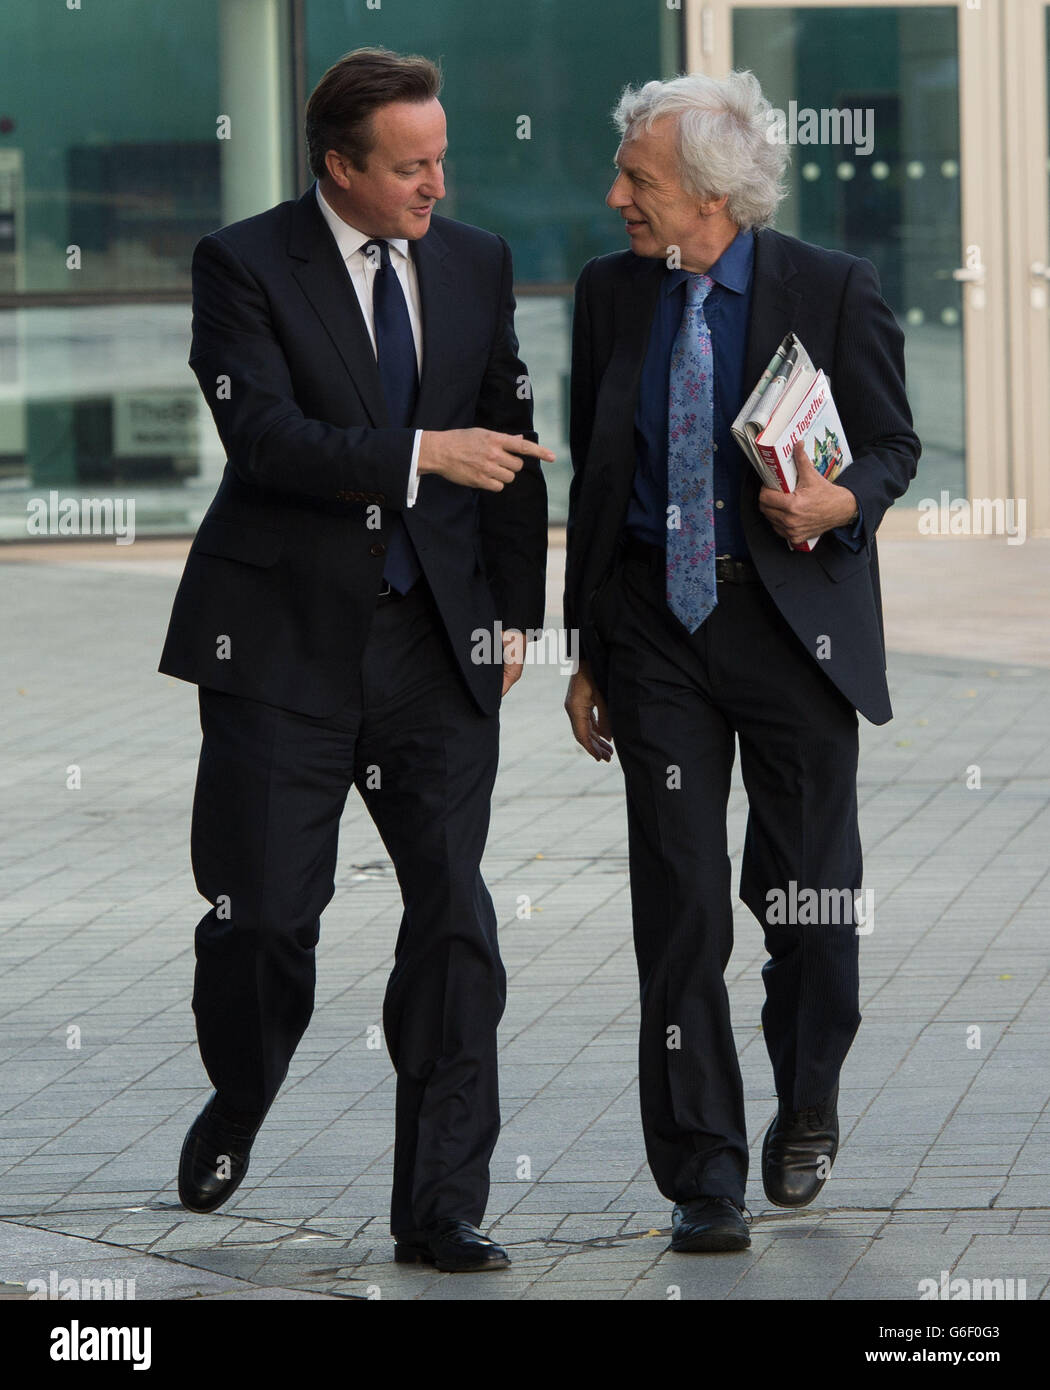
{"points": [[791, 403]]}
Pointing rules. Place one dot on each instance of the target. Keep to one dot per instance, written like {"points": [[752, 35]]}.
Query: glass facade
{"points": [[158, 122], [161, 122]]}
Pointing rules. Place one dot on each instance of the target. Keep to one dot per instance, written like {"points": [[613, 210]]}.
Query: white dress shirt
{"points": [[362, 272]]}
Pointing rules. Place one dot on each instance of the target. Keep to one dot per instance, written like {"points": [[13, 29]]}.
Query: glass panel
{"points": [[891, 191], [112, 115], [98, 402], [544, 323], [114, 161]]}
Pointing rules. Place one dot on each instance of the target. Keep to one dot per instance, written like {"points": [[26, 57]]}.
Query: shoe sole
{"points": [[792, 1206], [412, 1255], [712, 1244]]}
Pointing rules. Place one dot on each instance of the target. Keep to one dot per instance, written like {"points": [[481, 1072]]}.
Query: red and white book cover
{"points": [[816, 424]]}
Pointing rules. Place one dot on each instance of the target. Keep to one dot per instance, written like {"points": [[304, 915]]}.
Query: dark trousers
{"points": [[271, 787], [676, 705]]}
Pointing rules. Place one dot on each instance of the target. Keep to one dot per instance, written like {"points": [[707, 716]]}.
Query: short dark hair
{"points": [[339, 112]]}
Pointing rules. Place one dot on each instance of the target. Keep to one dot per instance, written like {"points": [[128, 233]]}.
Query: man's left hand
{"points": [[814, 507], [513, 657]]}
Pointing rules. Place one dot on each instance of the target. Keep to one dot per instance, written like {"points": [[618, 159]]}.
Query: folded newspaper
{"points": [[791, 403]]}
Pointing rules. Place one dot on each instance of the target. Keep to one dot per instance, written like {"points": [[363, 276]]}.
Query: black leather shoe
{"points": [[708, 1225], [214, 1158], [453, 1246], [798, 1151]]}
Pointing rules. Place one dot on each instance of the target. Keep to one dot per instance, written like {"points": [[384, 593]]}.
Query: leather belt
{"points": [[728, 570], [731, 571]]}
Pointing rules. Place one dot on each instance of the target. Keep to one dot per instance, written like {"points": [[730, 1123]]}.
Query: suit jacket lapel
{"points": [[436, 297], [774, 308], [324, 279], [636, 300], [774, 305]]}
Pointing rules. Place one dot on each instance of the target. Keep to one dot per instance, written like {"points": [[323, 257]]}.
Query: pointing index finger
{"points": [[518, 444]]}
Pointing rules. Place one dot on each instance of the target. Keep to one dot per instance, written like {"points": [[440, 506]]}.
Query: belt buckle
{"points": [[728, 570]]}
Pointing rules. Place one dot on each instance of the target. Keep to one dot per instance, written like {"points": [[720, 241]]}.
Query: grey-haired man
{"points": [[700, 625]]}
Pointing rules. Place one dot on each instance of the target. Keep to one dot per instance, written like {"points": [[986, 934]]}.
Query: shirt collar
{"points": [[348, 238], [732, 270]]}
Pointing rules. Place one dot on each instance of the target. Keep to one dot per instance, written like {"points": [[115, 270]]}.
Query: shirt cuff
{"points": [[852, 536], [413, 472]]}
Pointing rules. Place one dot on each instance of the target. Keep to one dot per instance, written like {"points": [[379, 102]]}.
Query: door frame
{"points": [[999, 421], [1026, 161]]}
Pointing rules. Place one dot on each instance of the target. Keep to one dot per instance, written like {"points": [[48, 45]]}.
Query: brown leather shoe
{"points": [[456, 1247]]}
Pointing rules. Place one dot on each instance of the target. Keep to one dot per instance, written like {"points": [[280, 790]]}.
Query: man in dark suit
{"points": [[382, 501], [700, 624]]}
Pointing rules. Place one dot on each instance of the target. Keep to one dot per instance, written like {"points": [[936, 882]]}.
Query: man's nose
{"points": [[617, 196], [433, 186]]}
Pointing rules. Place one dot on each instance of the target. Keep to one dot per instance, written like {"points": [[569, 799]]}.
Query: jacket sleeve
{"points": [[243, 372], [868, 384], [513, 522]]}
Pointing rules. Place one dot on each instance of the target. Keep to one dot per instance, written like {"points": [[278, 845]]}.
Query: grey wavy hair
{"points": [[723, 144]]}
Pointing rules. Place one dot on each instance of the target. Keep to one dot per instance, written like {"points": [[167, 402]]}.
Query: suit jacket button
{"points": [[377, 549]]}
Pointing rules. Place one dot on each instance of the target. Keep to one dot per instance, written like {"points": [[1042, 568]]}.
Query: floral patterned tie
{"points": [[691, 588]]}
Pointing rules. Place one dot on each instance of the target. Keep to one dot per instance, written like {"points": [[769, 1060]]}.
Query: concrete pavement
{"points": [[945, 1161]]}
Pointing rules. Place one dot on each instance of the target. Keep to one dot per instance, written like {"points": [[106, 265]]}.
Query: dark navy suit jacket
{"points": [[288, 560], [833, 302]]}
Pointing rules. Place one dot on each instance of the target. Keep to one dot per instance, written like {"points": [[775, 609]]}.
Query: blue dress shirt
{"points": [[727, 310]]}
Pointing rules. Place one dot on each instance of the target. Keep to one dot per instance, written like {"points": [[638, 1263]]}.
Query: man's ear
{"points": [[338, 167], [709, 207]]}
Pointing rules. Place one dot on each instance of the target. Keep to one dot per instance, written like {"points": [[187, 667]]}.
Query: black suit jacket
{"points": [[833, 302], [289, 558]]}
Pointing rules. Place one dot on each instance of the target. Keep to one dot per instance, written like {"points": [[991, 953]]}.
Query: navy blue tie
{"points": [[396, 354]]}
